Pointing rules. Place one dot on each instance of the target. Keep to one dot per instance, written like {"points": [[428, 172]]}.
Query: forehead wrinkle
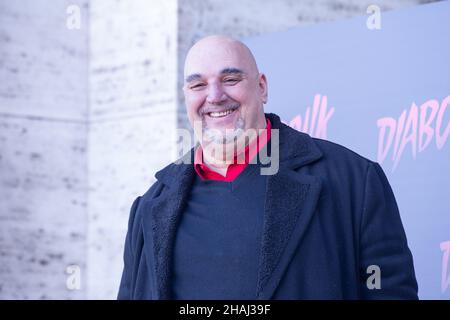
{"points": [[208, 47], [228, 70]]}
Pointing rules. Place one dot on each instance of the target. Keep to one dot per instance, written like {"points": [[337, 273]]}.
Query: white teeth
{"points": [[220, 114]]}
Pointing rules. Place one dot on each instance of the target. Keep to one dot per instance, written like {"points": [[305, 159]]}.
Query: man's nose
{"points": [[216, 94]]}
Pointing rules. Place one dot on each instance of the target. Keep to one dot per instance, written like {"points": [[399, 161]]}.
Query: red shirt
{"points": [[235, 168]]}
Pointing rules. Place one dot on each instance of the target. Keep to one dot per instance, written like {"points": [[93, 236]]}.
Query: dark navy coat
{"points": [[329, 215]]}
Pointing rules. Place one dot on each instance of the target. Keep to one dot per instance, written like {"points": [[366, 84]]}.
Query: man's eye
{"points": [[197, 86], [231, 81]]}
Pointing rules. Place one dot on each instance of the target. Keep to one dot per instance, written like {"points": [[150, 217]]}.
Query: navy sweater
{"points": [[217, 245]]}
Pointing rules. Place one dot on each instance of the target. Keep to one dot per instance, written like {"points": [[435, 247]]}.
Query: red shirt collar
{"points": [[233, 169]]}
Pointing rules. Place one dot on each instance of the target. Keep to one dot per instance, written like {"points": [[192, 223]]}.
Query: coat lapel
{"points": [[160, 222], [290, 203], [291, 200]]}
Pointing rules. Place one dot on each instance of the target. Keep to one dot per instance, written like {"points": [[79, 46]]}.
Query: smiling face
{"points": [[223, 89]]}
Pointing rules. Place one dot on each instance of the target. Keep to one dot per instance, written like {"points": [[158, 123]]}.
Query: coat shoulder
{"points": [[339, 156], [153, 191], [342, 168]]}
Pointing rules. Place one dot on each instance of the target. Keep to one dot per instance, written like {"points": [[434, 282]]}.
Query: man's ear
{"points": [[263, 87]]}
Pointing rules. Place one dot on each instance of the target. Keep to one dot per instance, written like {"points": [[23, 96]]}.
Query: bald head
{"points": [[220, 48]]}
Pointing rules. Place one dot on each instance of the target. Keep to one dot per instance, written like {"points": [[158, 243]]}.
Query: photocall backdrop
{"points": [[379, 85]]}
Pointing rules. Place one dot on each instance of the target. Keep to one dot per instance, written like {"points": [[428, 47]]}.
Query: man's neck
{"points": [[221, 169], [220, 165]]}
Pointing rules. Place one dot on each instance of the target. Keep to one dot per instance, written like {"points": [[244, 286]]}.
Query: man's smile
{"points": [[220, 114], [225, 117]]}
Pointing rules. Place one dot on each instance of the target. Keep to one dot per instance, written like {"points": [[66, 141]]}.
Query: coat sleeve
{"points": [[383, 245], [125, 289]]}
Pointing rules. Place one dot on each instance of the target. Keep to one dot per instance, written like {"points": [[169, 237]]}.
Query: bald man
{"points": [[322, 223], [232, 86]]}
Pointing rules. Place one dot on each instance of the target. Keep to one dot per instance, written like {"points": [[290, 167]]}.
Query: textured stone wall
{"points": [[43, 158], [132, 82], [88, 116]]}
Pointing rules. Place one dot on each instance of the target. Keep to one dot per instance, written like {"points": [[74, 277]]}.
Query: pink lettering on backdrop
{"points": [[415, 128], [445, 278], [314, 123]]}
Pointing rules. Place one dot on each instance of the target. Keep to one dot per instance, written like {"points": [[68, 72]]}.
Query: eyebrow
{"points": [[232, 71], [192, 77], [197, 76]]}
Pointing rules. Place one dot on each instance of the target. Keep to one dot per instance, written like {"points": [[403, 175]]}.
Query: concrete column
{"points": [[132, 121], [43, 139]]}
